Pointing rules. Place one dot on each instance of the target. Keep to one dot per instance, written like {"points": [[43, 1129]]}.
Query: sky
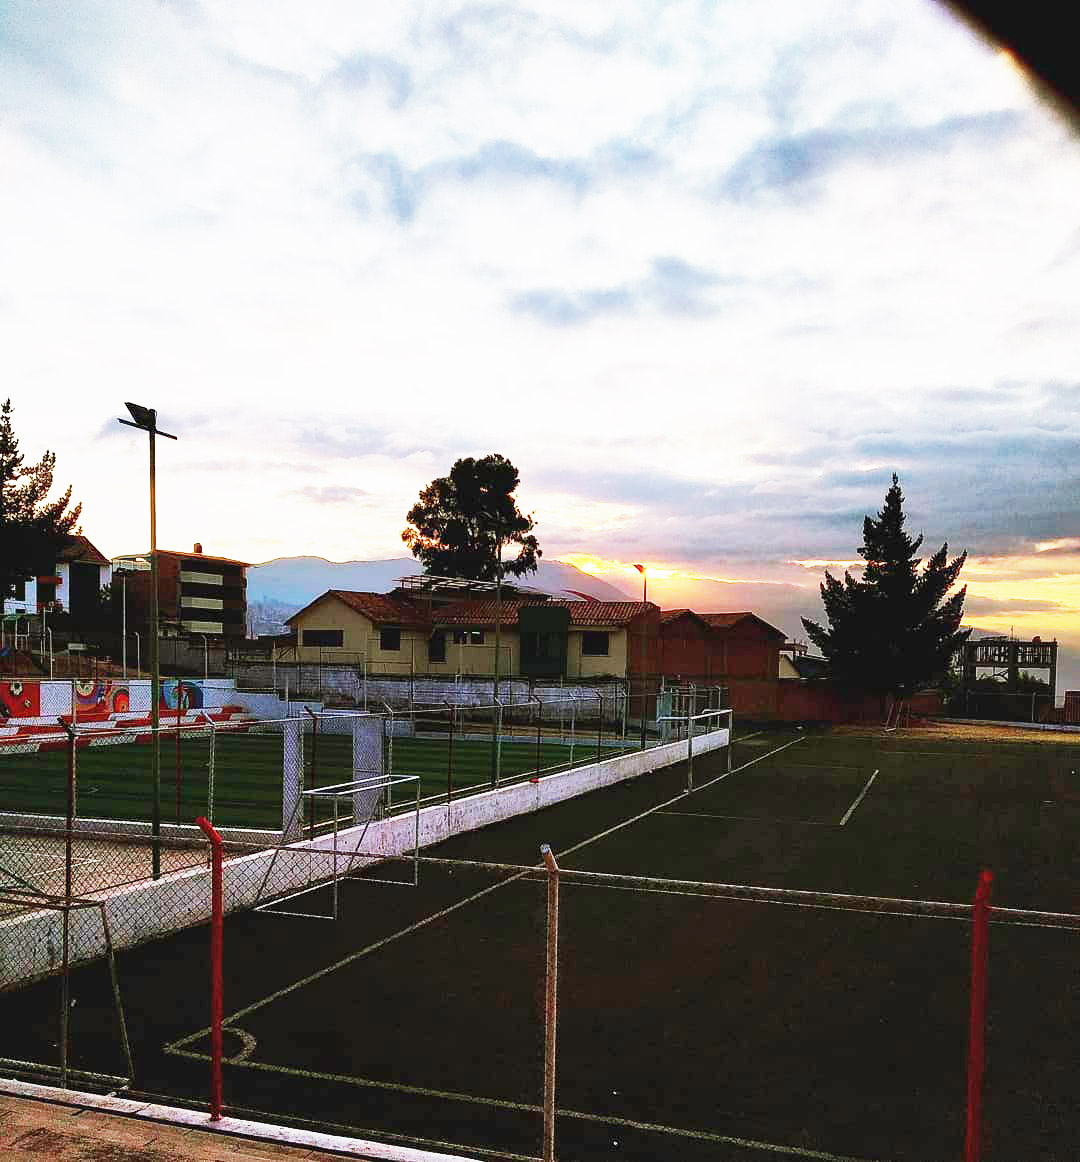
{"points": [[708, 273]]}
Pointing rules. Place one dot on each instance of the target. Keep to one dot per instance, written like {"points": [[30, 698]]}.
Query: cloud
{"points": [[787, 165], [672, 287], [346, 443], [330, 494], [367, 70], [496, 163], [976, 606]]}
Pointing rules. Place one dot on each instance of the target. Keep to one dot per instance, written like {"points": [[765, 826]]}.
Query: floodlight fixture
{"points": [[145, 418]]}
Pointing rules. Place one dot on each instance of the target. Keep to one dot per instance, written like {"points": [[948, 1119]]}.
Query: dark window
{"points": [[436, 647], [468, 637], [322, 637], [594, 644], [390, 638], [541, 647]]}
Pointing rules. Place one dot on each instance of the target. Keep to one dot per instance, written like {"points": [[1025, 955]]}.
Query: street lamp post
{"points": [[146, 420]]}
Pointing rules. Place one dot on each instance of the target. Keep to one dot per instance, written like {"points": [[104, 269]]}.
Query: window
{"points": [[541, 647], [390, 638], [436, 647], [322, 637], [468, 637], [594, 644]]}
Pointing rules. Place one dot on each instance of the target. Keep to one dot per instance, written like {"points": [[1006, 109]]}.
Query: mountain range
{"points": [[277, 589]]}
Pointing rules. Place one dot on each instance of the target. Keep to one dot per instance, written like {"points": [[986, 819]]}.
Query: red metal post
{"points": [[977, 1035], [217, 1000]]}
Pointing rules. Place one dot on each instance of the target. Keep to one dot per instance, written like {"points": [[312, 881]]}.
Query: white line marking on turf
{"points": [[532, 1108], [750, 818], [173, 1046], [858, 799], [706, 1136], [248, 1046]]}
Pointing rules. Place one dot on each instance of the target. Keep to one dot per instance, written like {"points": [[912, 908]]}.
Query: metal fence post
{"points": [[551, 1000], [65, 979], [450, 757], [599, 722], [977, 1031], [217, 924], [689, 753]]}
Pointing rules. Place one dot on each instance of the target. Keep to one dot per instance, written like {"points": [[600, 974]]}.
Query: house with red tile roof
{"points": [[405, 632]]}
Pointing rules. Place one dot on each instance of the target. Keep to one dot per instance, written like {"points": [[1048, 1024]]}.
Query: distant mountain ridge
{"points": [[277, 589]]}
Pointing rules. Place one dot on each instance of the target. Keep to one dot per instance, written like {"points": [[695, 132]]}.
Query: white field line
{"points": [[858, 799], [377, 944], [750, 818], [531, 1107]]}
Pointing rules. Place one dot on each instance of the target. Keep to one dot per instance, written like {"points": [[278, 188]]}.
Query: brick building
{"points": [[197, 593]]}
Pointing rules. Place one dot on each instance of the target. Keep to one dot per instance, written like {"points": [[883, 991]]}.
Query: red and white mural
{"points": [[20, 699]]}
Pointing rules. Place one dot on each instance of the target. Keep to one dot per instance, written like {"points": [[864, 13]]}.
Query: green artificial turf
{"points": [[116, 782]]}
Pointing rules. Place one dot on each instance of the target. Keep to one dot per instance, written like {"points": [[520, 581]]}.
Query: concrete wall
{"points": [[31, 945], [347, 682]]}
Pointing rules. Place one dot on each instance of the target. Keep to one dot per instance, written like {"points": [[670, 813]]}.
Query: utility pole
{"points": [[146, 419]]}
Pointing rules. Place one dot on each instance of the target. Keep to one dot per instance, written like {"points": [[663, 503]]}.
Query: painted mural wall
{"points": [[96, 699]]}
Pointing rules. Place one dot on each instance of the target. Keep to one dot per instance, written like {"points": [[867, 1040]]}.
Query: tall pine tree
{"points": [[896, 628], [33, 529]]}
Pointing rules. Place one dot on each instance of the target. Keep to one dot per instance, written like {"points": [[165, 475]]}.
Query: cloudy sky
{"points": [[707, 272]]}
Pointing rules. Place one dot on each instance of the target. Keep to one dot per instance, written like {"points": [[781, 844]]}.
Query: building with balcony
{"points": [[197, 593]]}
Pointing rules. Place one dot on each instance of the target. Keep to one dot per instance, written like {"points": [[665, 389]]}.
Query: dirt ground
{"points": [[34, 1130], [960, 731]]}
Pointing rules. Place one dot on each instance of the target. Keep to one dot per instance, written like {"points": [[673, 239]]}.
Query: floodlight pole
{"points": [[123, 627], [146, 420]]}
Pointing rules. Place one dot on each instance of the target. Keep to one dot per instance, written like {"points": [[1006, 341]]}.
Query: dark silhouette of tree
{"points": [[462, 522], [895, 629], [32, 528]]}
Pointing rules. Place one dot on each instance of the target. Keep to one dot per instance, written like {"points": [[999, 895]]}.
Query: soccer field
{"points": [[762, 967], [115, 782]]}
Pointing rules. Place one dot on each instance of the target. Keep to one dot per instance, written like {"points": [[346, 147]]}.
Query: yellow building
{"points": [[423, 633]]}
